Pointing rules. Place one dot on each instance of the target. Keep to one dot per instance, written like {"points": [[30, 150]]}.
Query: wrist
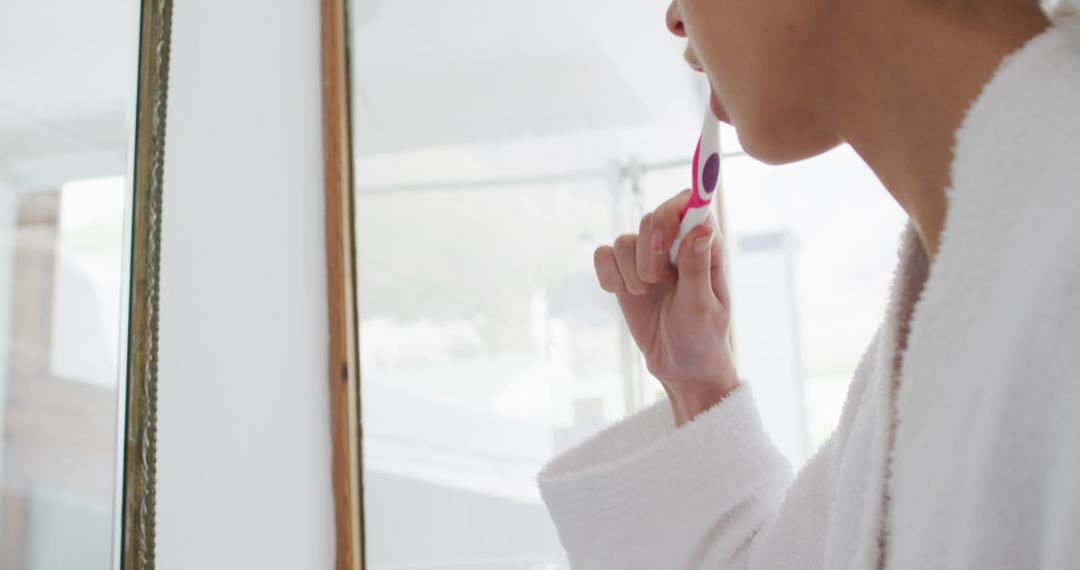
{"points": [[687, 401]]}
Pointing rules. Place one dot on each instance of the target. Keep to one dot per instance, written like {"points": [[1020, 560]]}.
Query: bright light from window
{"points": [[86, 306]]}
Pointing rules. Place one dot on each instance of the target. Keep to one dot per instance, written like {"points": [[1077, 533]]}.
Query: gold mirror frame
{"points": [[140, 409]]}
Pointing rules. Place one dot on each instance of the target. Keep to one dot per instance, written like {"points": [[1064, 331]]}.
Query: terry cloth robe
{"points": [[957, 449]]}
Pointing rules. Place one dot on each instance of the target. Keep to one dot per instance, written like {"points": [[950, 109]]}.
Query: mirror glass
{"points": [[68, 76], [497, 145]]}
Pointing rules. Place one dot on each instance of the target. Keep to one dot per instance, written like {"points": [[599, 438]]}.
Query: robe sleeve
{"points": [[714, 493]]}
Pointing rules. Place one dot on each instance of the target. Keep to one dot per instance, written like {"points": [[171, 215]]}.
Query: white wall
{"points": [[243, 440]]}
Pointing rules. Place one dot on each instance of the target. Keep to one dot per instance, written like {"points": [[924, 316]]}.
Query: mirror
{"points": [[495, 146], [81, 120]]}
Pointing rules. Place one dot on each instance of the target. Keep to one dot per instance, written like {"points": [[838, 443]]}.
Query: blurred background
{"points": [[498, 143]]}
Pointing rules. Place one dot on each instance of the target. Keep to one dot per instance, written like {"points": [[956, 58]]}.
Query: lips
{"points": [[714, 102], [692, 61]]}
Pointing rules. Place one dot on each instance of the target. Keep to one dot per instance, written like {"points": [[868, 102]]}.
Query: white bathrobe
{"points": [[969, 457]]}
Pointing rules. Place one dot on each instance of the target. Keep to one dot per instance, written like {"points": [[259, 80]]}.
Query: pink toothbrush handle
{"points": [[706, 177]]}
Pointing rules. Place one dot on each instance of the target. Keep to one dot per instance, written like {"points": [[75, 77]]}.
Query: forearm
{"points": [[642, 495]]}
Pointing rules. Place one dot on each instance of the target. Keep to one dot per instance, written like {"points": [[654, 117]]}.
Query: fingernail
{"points": [[657, 242], [702, 244]]}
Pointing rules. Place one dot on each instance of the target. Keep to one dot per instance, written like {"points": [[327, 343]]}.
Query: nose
{"points": [[674, 20]]}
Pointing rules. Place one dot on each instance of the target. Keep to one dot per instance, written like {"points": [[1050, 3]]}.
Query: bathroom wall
{"points": [[243, 438]]}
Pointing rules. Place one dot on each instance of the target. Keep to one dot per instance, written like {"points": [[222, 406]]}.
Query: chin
{"points": [[784, 142]]}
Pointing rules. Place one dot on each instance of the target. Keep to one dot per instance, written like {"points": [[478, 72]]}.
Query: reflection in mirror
{"points": [[67, 84], [497, 144], [490, 162]]}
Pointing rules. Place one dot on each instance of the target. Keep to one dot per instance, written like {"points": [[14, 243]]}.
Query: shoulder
{"points": [[1017, 164], [1027, 116]]}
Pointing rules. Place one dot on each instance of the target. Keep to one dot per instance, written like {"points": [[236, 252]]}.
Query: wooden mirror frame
{"points": [[343, 367], [139, 415]]}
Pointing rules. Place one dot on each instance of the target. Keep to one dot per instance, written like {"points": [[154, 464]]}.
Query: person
{"points": [[959, 442]]}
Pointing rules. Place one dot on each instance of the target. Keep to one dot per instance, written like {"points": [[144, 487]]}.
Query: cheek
{"points": [[762, 70], [740, 41], [758, 55], [725, 37]]}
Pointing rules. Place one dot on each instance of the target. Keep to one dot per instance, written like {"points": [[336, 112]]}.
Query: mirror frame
{"points": [[343, 367], [139, 415]]}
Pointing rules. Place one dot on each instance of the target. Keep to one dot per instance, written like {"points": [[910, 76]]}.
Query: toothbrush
{"points": [[706, 170]]}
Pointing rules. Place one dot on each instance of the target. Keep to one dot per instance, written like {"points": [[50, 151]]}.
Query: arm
{"points": [[714, 493], [644, 494], [695, 483]]}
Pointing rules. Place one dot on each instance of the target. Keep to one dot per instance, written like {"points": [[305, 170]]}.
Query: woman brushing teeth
{"points": [[957, 444]]}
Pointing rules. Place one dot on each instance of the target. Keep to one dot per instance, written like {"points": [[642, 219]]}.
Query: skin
{"points": [[892, 78]]}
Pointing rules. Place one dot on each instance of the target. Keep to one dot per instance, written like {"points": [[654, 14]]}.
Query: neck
{"points": [[916, 72]]}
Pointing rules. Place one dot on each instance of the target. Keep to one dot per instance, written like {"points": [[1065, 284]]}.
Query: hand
{"points": [[678, 316]]}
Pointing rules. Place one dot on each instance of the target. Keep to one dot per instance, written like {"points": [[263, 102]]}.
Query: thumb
{"points": [[695, 261]]}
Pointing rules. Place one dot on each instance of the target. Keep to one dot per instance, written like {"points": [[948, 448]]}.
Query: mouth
{"points": [[714, 101], [692, 61]]}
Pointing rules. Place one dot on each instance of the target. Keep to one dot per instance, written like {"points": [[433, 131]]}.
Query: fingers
{"points": [[617, 269], [626, 259], [717, 273], [607, 270], [701, 280], [652, 257], [666, 219], [635, 263]]}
